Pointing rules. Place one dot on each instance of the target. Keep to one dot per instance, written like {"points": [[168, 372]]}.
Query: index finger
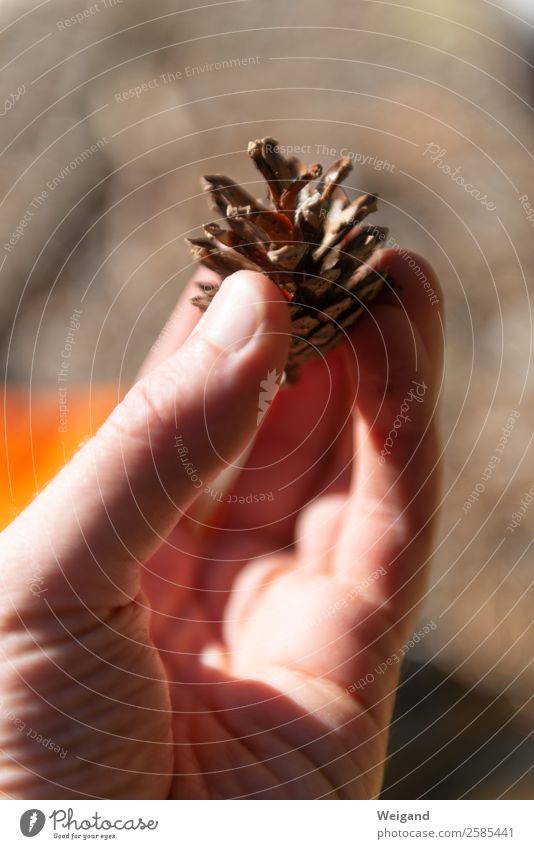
{"points": [[397, 353]]}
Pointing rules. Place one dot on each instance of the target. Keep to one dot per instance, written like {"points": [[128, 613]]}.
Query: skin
{"points": [[172, 658]]}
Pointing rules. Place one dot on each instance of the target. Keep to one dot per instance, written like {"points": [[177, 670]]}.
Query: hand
{"points": [[255, 655]]}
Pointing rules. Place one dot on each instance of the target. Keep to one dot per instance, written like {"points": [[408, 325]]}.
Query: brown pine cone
{"points": [[308, 238]]}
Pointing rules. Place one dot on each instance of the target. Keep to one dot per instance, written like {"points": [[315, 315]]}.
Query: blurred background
{"points": [[109, 114]]}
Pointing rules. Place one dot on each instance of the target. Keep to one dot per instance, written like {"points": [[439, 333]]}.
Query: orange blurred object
{"points": [[41, 430]]}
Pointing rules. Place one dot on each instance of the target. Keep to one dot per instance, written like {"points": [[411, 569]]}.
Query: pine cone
{"points": [[307, 238]]}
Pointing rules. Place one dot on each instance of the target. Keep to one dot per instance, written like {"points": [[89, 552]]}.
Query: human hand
{"points": [[171, 659]]}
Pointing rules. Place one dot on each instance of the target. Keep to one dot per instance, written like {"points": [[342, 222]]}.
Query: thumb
{"points": [[113, 504]]}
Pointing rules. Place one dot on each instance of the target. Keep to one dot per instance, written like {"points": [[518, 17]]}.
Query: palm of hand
{"points": [[283, 624]]}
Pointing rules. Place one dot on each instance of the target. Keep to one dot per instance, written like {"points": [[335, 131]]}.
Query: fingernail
{"points": [[235, 314]]}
